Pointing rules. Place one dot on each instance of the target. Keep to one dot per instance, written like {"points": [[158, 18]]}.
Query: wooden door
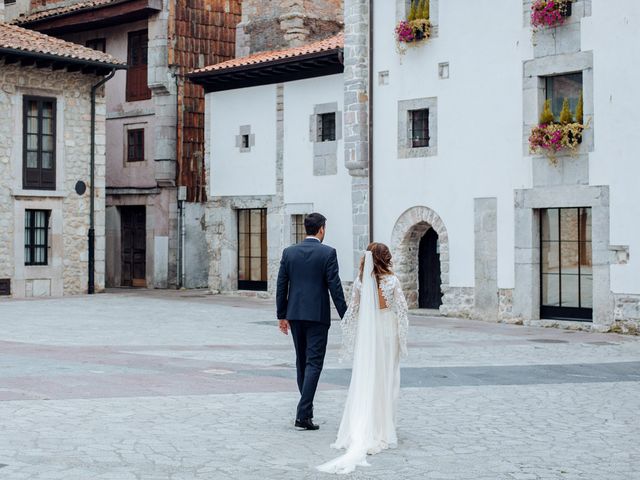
{"points": [[429, 282], [134, 239]]}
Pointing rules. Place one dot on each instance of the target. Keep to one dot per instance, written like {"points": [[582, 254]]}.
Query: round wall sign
{"points": [[81, 187]]}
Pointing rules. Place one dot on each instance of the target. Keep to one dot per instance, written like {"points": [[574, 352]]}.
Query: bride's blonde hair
{"points": [[381, 260]]}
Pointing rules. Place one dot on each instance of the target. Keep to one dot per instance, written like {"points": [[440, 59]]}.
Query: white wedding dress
{"points": [[376, 337]]}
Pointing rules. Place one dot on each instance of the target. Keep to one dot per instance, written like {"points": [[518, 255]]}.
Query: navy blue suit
{"points": [[308, 274]]}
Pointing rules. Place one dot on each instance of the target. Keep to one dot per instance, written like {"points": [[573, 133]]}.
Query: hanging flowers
{"points": [[549, 13], [550, 137], [416, 27]]}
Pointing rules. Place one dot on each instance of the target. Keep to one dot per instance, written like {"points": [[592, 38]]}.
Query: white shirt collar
{"points": [[313, 238]]}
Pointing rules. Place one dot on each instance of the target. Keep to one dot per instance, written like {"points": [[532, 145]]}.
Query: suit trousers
{"points": [[310, 341]]}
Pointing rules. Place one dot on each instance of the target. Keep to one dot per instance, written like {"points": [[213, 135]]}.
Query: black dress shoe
{"points": [[306, 424]]}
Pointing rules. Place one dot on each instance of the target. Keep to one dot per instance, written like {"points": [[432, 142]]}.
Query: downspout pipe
{"points": [[92, 188], [370, 100]]}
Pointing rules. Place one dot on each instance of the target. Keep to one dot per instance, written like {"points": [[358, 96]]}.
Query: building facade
{"points": [[434, 159], [45, 166], [155, 125]]}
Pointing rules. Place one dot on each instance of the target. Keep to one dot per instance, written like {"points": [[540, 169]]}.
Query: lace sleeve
{"points": [[401, 310], [349, 322]]}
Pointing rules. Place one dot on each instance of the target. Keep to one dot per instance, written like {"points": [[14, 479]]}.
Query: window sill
{"points": [[38, 193]]}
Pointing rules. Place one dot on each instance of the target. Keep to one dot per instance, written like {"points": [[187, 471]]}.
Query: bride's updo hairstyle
{"points": [[381, 260]]}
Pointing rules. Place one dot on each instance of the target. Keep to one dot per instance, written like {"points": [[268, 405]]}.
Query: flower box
{"points": [[552, 138], [416, 28], [550, 13]]}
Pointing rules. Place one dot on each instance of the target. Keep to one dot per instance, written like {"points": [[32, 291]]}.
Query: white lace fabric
{"points": [[395, 299]]}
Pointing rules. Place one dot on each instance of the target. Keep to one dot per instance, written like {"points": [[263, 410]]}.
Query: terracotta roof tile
{"points": [[54, 12], [326, 45], [28, 41]]}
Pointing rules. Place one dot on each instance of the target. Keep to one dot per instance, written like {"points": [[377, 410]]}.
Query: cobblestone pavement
{"points": [[183, 385]]}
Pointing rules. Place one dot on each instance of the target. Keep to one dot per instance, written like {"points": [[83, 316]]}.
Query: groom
{"points": [[308, 273]]}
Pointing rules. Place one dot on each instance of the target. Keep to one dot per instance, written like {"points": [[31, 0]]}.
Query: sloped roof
{"points": [[63, 10], [16, 40], [332, 43]]}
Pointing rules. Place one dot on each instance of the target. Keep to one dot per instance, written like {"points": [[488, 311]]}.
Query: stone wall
{"points": [[626, 314], [66, 271], [286, 23]]}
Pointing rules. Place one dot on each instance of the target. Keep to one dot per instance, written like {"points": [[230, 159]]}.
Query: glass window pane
{"points": [[570, 292], [32, 108], [551, 290], [560, 87], [242, 221], [256, 245], [549, 224], [32, 159], [256, 221], [40, 218], [585, 224], [47, 109], [550, 257], [32, 142], [32, 125], [586, 262], [47, 160], [569, 256], [27, 219], [27, 256], [47, 126], [256, 269], [569, 224], [586, 291]]}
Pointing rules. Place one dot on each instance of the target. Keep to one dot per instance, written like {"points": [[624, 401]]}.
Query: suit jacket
{"points": [[308, 273]]}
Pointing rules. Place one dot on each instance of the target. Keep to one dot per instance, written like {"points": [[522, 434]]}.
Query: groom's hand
{"points": [[283, 325]]}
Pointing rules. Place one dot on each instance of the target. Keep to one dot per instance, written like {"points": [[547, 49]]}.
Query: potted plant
{"points": [[549, 13], [416, 27], [550, 137]]}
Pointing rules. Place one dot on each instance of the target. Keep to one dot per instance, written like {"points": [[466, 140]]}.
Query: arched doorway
{"points": [[429, 281], [409, 236]]}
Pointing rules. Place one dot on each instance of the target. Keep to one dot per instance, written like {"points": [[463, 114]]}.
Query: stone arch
{"points": [[405, 242]]}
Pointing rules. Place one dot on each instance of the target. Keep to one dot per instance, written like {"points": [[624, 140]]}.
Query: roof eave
{"points": [[62, 60]]}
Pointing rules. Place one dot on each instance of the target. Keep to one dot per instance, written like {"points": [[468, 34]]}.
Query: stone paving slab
{"points": [[174, 385]]}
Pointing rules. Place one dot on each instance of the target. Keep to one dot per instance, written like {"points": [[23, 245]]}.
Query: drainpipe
{"points": [[92, 189], [370, 120]]}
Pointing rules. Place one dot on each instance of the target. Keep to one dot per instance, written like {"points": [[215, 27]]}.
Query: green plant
{"points": [[580, 110], [565, 115], [413, 12], [547, 114], [423, 10]]}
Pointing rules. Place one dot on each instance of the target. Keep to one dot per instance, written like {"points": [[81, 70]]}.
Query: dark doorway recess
{"points": [[429, 281], [134, 241]]}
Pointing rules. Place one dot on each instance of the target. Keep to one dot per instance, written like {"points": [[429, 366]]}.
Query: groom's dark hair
{"points": [[314, 222]]}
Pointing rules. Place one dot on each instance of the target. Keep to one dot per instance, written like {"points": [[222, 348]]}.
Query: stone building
{"points": [[433, 158], [155, 125], [45, 163]]}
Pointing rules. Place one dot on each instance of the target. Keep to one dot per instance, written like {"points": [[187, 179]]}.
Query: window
{"points": [[419, 128], [298, 233], [36, 237], [559, 87], [566, 264], [99, 44], [8, 2], [327, 127], [252, 249], [137, 88], [135, 145], [39, 140], [245, 141]]}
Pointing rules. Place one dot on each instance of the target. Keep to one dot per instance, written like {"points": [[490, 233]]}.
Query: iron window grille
{"points": [[36, 237], [419, 125]]}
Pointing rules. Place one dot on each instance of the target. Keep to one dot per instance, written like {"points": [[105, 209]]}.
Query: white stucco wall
{"points": [[328, 194], [479, 126], [614, 161], [234, 172]]}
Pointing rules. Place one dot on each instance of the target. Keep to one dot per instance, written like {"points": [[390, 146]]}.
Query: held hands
{"points": [[283, 325]]}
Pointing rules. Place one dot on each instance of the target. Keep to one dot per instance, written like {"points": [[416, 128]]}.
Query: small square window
{"points": [[245, 141], [36, 237], [327, 127], [419, 122], [99, 44], [559, 87], [135, 145]]}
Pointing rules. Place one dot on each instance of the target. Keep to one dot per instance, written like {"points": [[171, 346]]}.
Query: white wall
{"points": [[479, 125], [329, 194], [614, 161], [243, 173]]}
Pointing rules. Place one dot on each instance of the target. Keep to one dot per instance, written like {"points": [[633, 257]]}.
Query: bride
{"points": [[374, 330]]}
